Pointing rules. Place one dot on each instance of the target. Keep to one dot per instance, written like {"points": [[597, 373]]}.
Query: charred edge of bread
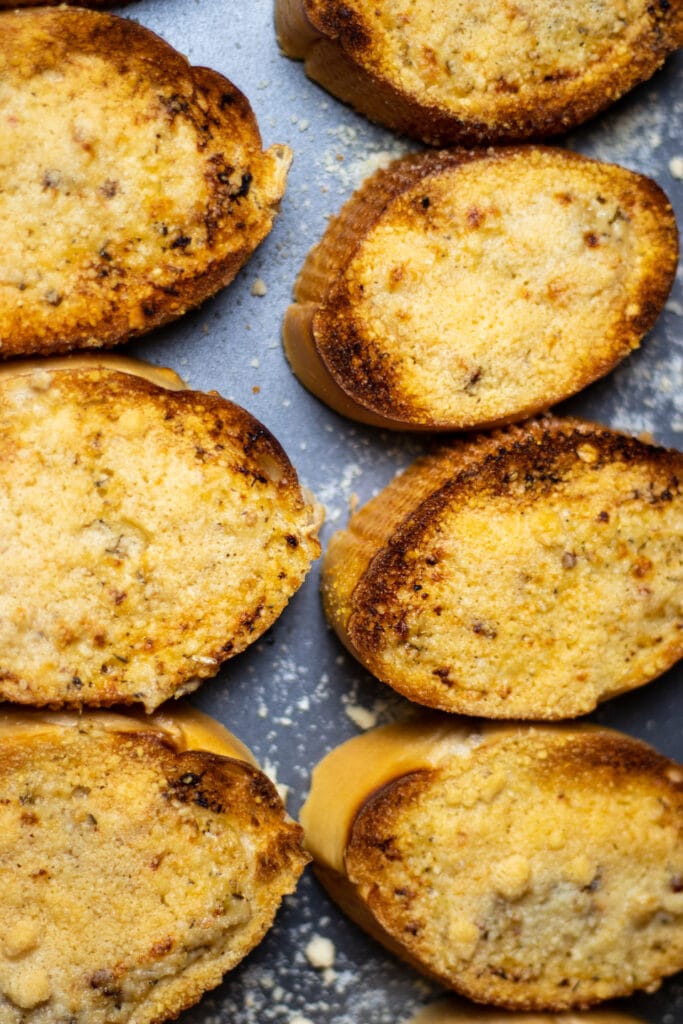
{"points": [[341, 54], [237, 216], [202, 428], [384, 887], [366, 564], [335, 355], [223, 795]]}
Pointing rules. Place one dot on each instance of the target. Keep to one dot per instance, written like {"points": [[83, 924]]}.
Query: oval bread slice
{"points": [[469, 289], [148, 535], [479, 72], [452, 1011], [533, 868], [527, 574], [137, 867], [133, 185]]}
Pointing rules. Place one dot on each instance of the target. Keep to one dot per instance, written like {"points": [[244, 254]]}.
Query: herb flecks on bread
{"points": [[148, 536], [133, 186], [528, 867], [527, 574], [465, 289], [479, 72], [135, 871]]}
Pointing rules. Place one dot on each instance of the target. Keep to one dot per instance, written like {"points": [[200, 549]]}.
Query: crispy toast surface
{"points": [[529, 868], [135, 871], [479, 73], [464, 289], [455, 1011], [527, 574], [148, 536], [134, 184]]}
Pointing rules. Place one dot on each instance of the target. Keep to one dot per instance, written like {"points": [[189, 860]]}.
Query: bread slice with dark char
{"points": [[530, 573], [141, 859], [479, 72], [148, 536], [132, 186], [465, 289], [530, 868]]}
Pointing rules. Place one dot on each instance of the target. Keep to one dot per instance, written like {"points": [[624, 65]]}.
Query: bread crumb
{"points": [[676, 167], [320, 952], [360, 716], [259, 288], [255, 363]]}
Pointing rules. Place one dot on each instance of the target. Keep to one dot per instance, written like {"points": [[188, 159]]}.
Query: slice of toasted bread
{"points": [[469, 289], [97, 4], [452, 1011], [148, 535], [478, 72], [137, 868], [527, 574], [533, 868], [132, 185]]}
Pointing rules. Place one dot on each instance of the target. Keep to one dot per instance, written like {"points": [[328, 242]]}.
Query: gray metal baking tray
{"points": [[296, 693]]}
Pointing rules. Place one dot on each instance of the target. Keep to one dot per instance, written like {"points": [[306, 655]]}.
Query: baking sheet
{"points": [[296, 693]]}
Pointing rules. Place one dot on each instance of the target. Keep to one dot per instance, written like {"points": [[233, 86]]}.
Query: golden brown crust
{"points": [[165, 867], [467, 289], [146, 196], [452, 1011], [468, 77], [95, 4], [512, 871], [168, 529], [579, 529]]}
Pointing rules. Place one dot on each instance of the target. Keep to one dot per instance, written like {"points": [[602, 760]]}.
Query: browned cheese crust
{"points": [[478, 73], [469, 289], [133, 186], [148, 536], [539, 869], [133, 875], [528, 574]]}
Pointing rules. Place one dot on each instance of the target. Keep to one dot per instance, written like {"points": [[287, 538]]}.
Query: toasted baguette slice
{"points": [[148, 535], [527, 574], [97, 4], [530, 868], [138, 867], [452, 1011], [132, 185], [479, 72], [469, 289]]}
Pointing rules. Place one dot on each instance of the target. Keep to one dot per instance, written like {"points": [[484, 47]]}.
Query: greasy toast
{"points": [[141, 859], [526, 574], [132, 185], [148, 536], [479, 72], [532, 868], [464, 289]]}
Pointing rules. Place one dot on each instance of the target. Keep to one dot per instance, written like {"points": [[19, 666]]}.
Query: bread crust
{"points": [[375, 57], [145, 195], [167, 527], [119, 813], [391, 325], [408, 586], [439, 861], [452, 1011]]}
